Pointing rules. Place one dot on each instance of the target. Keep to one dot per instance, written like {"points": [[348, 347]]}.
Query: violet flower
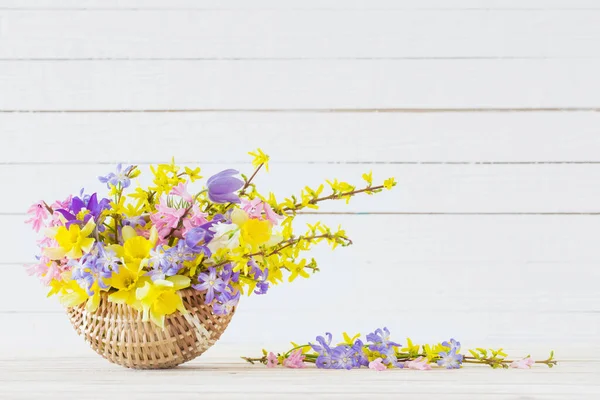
{"points": [[324, 359], [197, 238], [380, 340], [88, 271], [450, 360], [121, 177], [91, 204], [226, 303], [343, 357], [210, 283], [221, 187]]}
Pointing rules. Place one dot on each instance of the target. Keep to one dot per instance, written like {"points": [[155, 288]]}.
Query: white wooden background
{"points": [[486, 112]]}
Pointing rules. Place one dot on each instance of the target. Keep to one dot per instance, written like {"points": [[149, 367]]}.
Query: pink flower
{"points": [[38, 214], [295, 360], [419, 363], [525, 363], [255, 207], [166, 218], [272, 360], [181, 190], [62, 204], [195, 218], [377, 365]]}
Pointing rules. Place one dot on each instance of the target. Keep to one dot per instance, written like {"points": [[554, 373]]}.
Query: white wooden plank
{"points": [[546, 188], [322, 85], [136, 5], [283, 34], [84, 378], [387, 137]]}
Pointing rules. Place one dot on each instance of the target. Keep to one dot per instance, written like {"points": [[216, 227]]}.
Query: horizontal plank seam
{"points": [[368, 162], [465, 310], [206, 9], [424, 58], [311, 110], [432, 213]]}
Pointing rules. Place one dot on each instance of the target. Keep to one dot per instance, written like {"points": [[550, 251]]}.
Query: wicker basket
{"points": [[117, 332]]}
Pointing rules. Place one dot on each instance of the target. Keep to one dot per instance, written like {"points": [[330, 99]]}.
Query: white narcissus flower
{"points": [[226, 236]]}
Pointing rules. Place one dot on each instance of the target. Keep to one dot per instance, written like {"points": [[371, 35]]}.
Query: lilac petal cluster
{"points": [[121, 177], [343, 356], [380, 341], [262, 286], [219, 288], [197, 238], [169, 262], [89, 270], [91, 204], [450, 359], [222, 187]]}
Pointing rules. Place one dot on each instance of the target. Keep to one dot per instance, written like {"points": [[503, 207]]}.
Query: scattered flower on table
{"points": [[525, 363], [142, 246], [380, 353]]}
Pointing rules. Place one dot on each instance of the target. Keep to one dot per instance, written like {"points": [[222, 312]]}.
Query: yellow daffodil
{"points": [[134, 253], [160, 298], [256, 232], [72, 242]]}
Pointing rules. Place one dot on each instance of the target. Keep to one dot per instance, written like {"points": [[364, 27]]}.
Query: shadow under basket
{"points": [[117, 332]]}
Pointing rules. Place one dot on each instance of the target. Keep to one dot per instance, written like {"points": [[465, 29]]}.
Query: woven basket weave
{"points": [[117, 332]]}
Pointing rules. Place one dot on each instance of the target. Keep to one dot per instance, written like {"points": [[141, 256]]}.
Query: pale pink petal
{"points": [[377, 365]]}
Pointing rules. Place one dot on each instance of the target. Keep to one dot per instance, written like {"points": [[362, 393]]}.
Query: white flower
{"points": [[226, 235]]}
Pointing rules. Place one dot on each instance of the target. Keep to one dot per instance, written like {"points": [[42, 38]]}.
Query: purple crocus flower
{"points": [[121, 177], [226, 303], [210, 283], [221, 187]]}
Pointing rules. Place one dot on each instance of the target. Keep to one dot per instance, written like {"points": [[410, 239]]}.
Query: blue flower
{"points": [[90, 270], [344, 357], [211, 283], [450, 360], [121, 177]]}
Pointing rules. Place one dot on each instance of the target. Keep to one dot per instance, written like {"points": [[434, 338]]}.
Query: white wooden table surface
{"points": [[487, 112]]}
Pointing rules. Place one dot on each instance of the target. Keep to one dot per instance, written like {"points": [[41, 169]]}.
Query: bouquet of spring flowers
{"points": [[157, 250]]}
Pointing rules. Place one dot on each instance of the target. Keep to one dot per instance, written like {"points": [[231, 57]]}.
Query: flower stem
{"points": [[335, 196]]}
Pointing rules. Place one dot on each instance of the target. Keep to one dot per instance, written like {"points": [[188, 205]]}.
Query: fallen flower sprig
{"points": [[380, 353]]}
